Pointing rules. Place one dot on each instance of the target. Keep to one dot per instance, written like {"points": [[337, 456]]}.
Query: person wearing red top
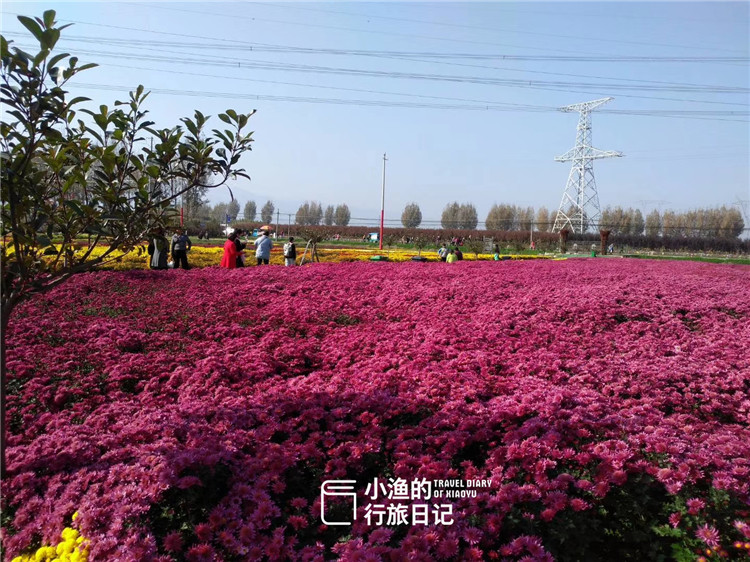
{"points": [[229, 260]]}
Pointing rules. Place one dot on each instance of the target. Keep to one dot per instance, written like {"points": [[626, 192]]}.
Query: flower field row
{"points": [[605, 402], [208, 256]]}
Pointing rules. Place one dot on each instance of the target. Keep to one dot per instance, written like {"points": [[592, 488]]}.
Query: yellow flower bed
{"points": [[72, 548], [355, 254], [208, 256]]}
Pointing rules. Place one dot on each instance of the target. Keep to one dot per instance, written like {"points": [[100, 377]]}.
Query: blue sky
{"points": [[692, 58]]}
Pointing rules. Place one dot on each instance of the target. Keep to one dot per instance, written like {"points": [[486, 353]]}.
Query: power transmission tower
{"points": [[579, 208]]}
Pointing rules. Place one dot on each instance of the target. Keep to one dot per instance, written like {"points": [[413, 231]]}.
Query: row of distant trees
{"points": [[310, 213], [720, 222]]}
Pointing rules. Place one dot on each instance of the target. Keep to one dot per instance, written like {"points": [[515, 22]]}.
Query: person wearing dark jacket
{"points": [[181, 245], [240, 245], [290, 253], [158, 250]]}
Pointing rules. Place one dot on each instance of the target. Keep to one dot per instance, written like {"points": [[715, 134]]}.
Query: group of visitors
{"points": [[234, 247], [159, 250], [450, 255]]}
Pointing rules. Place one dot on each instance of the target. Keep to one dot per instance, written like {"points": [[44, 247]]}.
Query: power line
{"points": [[379, 103], [485, 28], [411, 36], [508, 82], [391, 55], [276, 48]]}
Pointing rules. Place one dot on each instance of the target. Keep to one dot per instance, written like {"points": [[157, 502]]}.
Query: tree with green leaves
{"points": [[342, 215], [250, 211], [412, 216], [420, 243], [266, 213], [475, 246], [94, 186]]}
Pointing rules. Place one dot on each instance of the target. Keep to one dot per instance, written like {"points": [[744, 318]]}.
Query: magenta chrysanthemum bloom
{"points": [[674, 519], [708, 535], [695, 505], [201, 553], [173, 542]]}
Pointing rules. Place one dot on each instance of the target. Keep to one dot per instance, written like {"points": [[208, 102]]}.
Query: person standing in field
{"points": [[263, 247], [290, 253], [181, 245], [229, 259], [158, 249], [240, 245], [442, 252]]}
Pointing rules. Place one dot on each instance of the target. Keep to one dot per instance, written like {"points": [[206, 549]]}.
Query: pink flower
{"points": [[674, 519], [173, 542], [708, 535], [203, 532], [695, 505]]}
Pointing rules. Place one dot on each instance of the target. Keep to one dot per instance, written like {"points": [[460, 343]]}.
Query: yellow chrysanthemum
{"points": [[72, 548]]}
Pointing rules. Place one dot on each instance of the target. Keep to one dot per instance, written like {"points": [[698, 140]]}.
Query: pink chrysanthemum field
{"points": [[194, 415]]}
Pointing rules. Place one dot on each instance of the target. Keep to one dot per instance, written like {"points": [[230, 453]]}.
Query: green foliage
{"points": [[76, 174], [420, 243], [475, 246]]}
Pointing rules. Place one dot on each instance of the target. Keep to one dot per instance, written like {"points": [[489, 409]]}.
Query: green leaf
{"points": [[224, 118], [41, 55], [43, 241], [32, 26], [49, 18], [232, 113], [79, 99], [57, 58], [75, 207]]}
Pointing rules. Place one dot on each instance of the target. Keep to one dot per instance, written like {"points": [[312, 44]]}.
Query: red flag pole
{"points": [[382, 205]]}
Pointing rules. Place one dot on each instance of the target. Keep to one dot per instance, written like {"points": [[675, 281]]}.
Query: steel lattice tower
{"points": [[579, 208]]}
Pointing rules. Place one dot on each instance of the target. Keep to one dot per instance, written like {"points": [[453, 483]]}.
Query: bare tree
{"points": [[412, 216], [342, 216], [250, 211], [450, 219], [266, 213]]}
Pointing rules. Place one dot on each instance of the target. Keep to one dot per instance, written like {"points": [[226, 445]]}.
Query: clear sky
{"points": [[461, 96]]}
